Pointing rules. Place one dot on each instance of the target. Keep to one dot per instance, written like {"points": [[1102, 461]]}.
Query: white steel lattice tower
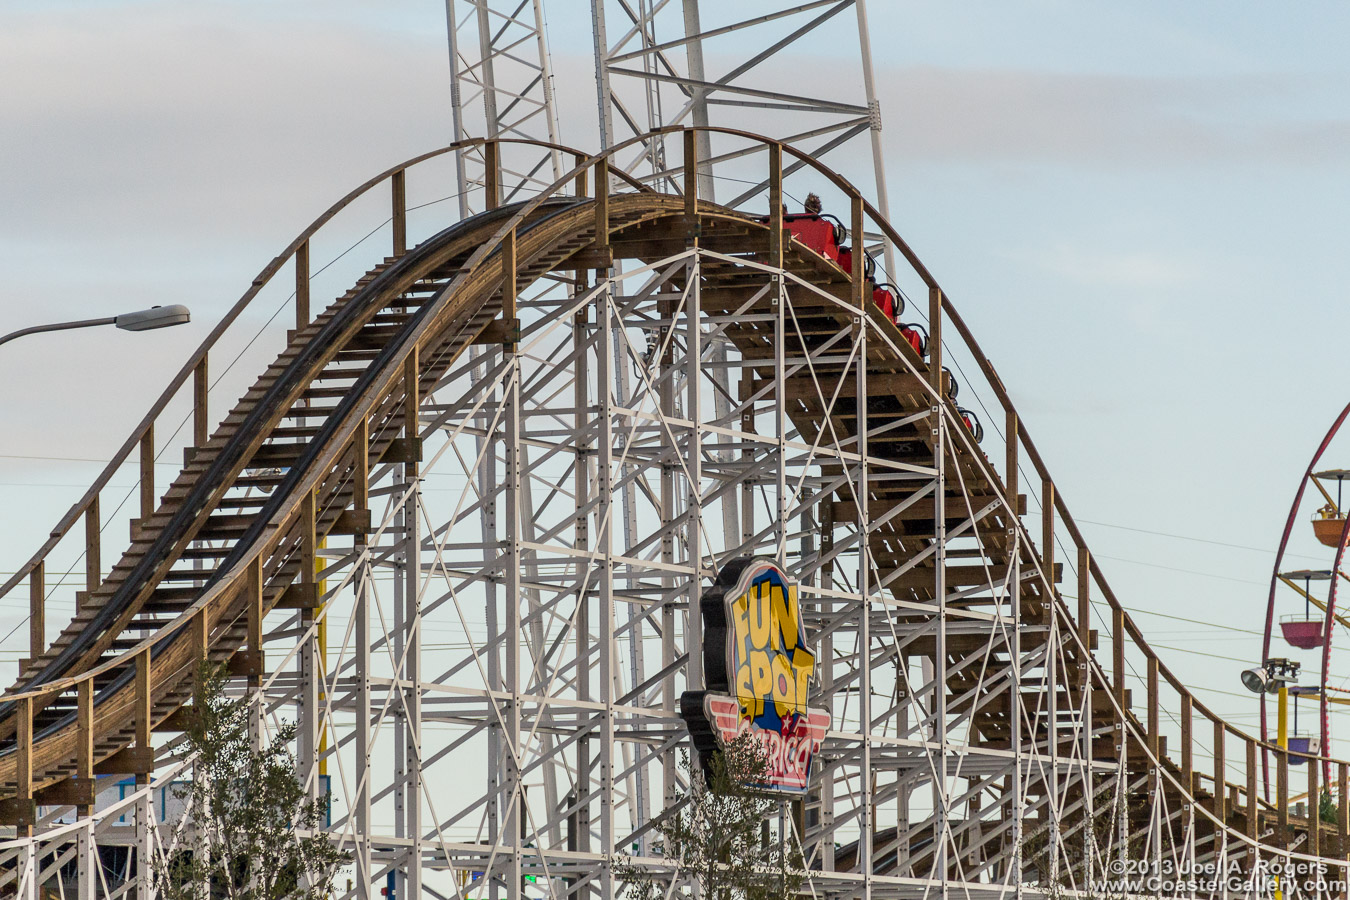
{"points": [[501, 86], [672, 64]]}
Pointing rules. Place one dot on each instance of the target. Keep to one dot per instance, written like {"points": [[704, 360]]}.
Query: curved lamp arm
{"points": [[141, 320]]}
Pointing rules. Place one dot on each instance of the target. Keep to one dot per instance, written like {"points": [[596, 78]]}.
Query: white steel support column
{"points": [[487, 488], [410, 876], [699, 99], [406, 557], [1018, 800], [938, 437], [827, 686], [867, 833], [311, 666], [1086, 719], [669, 581], [28, 870], [311, 675], [780, 418], [144, 839], [874, 126], [1052, 671], [514, 823], [693, 625], [606, 574], [87, 866], [600, 40], [361, 863], [580, 826]]}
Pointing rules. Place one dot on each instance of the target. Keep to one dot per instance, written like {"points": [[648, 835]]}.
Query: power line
{"points": [[1185, 537], [1139, 562]]}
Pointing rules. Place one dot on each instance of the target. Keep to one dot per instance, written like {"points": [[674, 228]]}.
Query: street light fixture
{"points": [[1275, 677], [1255, 680], [1271, 677], [140, 320]]}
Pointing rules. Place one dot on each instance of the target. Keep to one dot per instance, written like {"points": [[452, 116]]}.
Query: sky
{"points": [[1140, 209]]}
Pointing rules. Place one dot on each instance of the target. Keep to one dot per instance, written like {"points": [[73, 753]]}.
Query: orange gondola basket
{"points": [[1328, 525]]}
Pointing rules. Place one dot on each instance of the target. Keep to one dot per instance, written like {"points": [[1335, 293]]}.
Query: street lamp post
{"points": [[1274, 677], [140, 320]]}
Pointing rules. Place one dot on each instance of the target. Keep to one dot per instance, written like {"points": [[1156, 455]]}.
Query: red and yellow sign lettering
{"points": [[760, 681]]}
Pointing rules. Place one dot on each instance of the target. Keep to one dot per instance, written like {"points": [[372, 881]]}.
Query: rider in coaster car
{"points": [[817, 232]]}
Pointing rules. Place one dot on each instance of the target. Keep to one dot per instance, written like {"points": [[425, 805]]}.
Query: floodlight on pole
{"points": [[140, 320], [1271, 676], [1274, 677], [1255, 680]]}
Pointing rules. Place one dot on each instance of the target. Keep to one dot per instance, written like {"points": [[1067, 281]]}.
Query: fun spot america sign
{"points": [[758, 667]]}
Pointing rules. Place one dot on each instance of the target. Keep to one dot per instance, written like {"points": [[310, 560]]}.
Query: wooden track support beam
{"points": [[1253, 810], [1118, 655], [775, 202], [37, 610], [147, 447], [1314, 805], [361, 466], [399, 198], [1220, 772], [1084, 601], [255, 600], [302, 286], [602, 207], [492, 175], [1153, 707], [23, 813], [200, 389], [1343, 806], [411, 402], [93, 566], [859, 253], [84, 751], [247, 662], [1187, 757], [690, 186], [1282, 797], [309, 545], [579, 185], [510, 292]]}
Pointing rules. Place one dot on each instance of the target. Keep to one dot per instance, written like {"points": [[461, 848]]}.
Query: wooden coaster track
{"points": [[237, 534]]}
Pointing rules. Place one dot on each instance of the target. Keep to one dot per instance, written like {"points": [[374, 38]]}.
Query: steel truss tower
{"points": [[501, 86], [661, 65]]}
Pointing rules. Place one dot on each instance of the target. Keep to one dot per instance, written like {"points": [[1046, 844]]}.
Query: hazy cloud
{"points": [[992, 115]]}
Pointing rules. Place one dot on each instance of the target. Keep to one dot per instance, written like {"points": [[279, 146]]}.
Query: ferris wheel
{"points": [[1302, 612]]}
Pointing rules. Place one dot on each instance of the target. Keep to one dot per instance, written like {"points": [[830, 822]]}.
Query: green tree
{"points": [[717, 836], [1327, 809], [251, 831]]}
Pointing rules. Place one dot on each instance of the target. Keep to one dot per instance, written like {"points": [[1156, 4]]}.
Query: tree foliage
{"points": [[1327, 809], [251, 830], [718, 837]]}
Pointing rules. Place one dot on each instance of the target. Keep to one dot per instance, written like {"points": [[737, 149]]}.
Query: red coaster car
{"points": [[917, 336], [972, 423], [845, 262], [887, 296], [820, 233]]}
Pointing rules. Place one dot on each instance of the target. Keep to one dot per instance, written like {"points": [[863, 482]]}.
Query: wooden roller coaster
{"points": [[1069, 767]]}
